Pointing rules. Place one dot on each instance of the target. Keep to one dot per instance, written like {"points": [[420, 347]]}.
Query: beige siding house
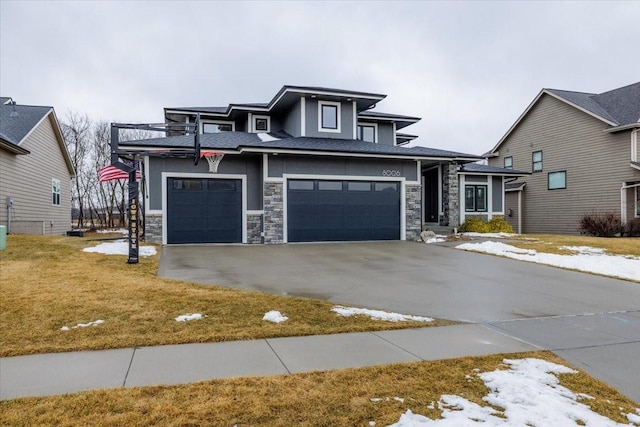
{"points": [[35, 171], [582, 152]]}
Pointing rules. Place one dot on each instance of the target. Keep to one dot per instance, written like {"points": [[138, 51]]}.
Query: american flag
{"points": [[112, 173]]}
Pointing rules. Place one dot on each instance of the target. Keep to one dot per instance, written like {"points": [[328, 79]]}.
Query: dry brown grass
{"points": [[334, 398], [48, 282], [551, 243]]}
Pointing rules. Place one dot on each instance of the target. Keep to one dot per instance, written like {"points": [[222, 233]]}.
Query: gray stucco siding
{"points": [[311, 120], [326, 165], [596, 165], [496, 193], [291, 122], [385, 134], [249, 165]]}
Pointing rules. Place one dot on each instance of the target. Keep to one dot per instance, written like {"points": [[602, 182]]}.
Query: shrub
{"points": [[601, 224], [632, 228], [477, 225]]}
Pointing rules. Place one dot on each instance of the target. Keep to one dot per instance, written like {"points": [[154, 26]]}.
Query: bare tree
{"points": [[76, 130]]}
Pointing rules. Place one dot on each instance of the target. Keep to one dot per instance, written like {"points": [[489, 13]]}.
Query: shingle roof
{"points": [[513, 186], [378, 114], [14, 129], [620, 106], [4, 99], [243, 140], [478, 168]]}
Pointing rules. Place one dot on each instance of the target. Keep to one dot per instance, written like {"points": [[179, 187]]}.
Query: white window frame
{"points": [[217, 122], [256, 118], [56, 190], [338, 106], [505, 162], [371, 125]]}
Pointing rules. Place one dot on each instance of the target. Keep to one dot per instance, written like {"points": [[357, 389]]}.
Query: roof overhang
{"points": [[623, 128], [12, 148], [635, 165], [515, 188]]}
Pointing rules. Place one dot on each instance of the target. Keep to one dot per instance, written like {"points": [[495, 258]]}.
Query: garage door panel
{"points": [[204, 210], [343, 211]]}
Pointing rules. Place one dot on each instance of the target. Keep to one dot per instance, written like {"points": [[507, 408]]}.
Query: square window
{"points": [[55, 192], [359, 186], [475, 198], [367, 133], [557, 180], [328, 116], [508, 162], [261, 124], [536, 160]]}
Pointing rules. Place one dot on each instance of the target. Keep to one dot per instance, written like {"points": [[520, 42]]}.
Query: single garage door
{"points": [[204, 210], [319, 210]]}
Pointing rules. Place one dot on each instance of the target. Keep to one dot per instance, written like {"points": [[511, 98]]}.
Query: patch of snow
{"points": [[122, 231], [530, 394], [265, 137], [378, 314], [83, 325], [120, 247], [376, 399], [275, 317], [399, 399], [584, 249], [437, 239], [633, 418], [591, 262], [490, 235], [188, 317]]}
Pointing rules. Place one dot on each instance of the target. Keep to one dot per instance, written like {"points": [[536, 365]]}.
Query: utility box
{"points": [[3, 237]]}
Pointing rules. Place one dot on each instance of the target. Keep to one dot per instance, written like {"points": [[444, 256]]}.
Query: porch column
{"points": [[450, 196]]}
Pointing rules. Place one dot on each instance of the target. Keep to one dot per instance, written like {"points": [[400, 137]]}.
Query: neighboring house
{"points": [[312, 164], [583, 155], [35, 171]]}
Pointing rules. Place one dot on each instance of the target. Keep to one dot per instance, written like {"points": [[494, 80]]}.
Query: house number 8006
{"points": [[390, 172]]}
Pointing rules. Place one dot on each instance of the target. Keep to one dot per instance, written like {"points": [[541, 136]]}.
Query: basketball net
{"points": [[213, 158]]}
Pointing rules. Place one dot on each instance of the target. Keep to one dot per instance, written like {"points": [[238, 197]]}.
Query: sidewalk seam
{"points": [[278, 356], [396, 345], [126, 376]]}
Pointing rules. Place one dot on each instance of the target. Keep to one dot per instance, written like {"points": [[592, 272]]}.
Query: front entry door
{"points": [[431, 195]]}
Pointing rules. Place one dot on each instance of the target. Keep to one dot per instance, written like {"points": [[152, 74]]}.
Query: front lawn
{"points": [[48, 282], [352, 397]]}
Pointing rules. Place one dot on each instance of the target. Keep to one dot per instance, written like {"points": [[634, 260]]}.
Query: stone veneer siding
{"points": [[254, 228], [413, 211], [451, 196], [153, 229], [273, 213]]}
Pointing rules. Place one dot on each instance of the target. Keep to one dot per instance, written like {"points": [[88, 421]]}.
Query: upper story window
{"points": [[261, 124], [557, 180], [367, 132], [508, 162], [219, 126], [328, 116], [536, 161], [55, 192]]}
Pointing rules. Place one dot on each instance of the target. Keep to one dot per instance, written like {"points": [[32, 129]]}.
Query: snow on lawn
{"points": [[122, 231], [591, 260], [120, 247], [190, 316], [436, 239], [378, 315], [83, 325], [275, 317], [530, 395], [490, 235]]}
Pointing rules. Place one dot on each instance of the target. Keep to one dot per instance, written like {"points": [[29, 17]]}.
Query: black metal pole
{"points": [[134, 211]]}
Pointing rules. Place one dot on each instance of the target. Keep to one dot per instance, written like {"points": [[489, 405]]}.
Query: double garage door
{"points": [[319, 210], [205, 210]]}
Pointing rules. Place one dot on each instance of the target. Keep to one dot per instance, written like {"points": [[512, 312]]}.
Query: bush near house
{"points": [[601, 224], [478, 225], [632, 228]]}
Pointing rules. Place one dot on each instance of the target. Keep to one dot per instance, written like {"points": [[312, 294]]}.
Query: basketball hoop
{"points": [[213, 158]]}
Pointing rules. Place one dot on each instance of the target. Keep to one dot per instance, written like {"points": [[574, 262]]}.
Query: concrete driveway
{"points": [[591, 321]]}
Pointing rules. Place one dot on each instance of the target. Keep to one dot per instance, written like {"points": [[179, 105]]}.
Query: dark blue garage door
{"points": [[320, 210], [204, 210]]}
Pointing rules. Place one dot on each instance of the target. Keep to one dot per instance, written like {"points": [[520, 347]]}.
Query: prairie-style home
{"points": [[312, 164], [582, 151]]}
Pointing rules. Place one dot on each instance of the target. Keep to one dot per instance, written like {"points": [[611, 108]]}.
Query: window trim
{"points": [[255, 119], [475, 198], [533, 162], [554, 173], [217, 122], [338, 105], [510, 166], [371, 125], [56, 190]]}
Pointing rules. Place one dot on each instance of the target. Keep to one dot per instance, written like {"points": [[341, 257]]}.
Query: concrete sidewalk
{"points": [[58, 373]]}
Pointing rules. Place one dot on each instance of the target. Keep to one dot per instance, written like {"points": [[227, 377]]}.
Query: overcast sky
{"points": [[469, 69]]}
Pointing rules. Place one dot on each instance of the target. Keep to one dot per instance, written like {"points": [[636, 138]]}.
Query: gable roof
{"points": [[619, 108], [17, 122], [282, 142]]}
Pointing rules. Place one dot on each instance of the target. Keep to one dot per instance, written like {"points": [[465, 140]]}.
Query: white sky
{"points": [[468, 69]]}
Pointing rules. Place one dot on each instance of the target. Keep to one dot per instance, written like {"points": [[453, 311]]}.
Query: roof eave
{"points": [[623, 127], [13, 148]]}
